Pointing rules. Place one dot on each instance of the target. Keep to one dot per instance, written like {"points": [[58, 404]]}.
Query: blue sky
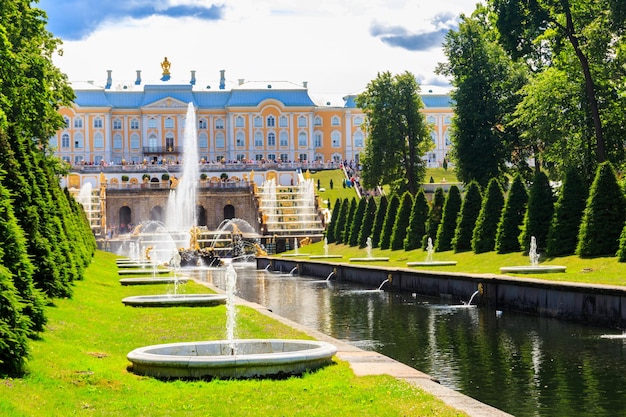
{"points": [[338, 47]]}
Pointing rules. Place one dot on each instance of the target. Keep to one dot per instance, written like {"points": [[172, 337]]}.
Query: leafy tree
{"points": [[390, 219], [451, 208], [568, 213], [331, 228], [357, 222], [398, 135], [470, 208], [402, 221], [486, 82], [484, 235], [417, 222], [539, 213], [604, 215], [510, 226], [434, 217], [349, 220], [379, 220], [368, 222]]}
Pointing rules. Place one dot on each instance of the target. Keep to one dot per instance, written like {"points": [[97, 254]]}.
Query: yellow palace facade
{"points": [[137, 123]]}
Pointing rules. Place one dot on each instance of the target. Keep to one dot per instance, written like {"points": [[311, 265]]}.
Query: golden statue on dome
{"points": [[165, 66]]}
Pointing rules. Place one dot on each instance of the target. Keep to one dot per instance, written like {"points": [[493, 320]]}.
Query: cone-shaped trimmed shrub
{"points": [[357, 221], [368, 222], [538, 214], [341, 220], [379, 221], [484, 236], [390, 220], [417, 222], [603, 218], [466, 222], [14, 328], [330, 229], [451, 209], [349, 220], [621, 251], [434, 217], [568, 213], [510, 226], [402, 221]]}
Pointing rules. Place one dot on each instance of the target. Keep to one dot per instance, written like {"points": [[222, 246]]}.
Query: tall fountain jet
{"points": [[181, 205]]}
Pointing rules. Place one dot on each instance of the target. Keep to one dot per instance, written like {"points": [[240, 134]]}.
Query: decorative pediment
{"points": [[167, 103]]}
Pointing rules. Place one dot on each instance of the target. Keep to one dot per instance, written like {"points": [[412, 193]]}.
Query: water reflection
{"points": [[525, 365]]}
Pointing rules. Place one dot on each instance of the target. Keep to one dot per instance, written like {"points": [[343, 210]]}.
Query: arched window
{"points": [[78, 122], [271, 139], [283, 121], [317, 121], [335, 121], [258, 139], [65, 140], [317, 138], [302, 121], [98, 140], [284, 139], [302, 139], [169, 123], [97, 123], [202, 124], [78, 141], [271, 121], [219, 123], [240, 139], [335, 139], [134, 124], [358, 139], [229, 212], [258, 121], [203, 141], [134, 141], [239, 122], [117, 141], [219, 140]]}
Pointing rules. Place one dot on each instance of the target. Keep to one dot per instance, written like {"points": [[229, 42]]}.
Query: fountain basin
{"points": [[293, 255], [431, 263], [153, 280], [175, 300], [325, 256], [157, 271], [253, 358], [530, 269], [372, 259]]}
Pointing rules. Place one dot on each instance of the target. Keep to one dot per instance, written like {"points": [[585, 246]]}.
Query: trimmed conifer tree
{"points": [[451, 208], [379, 220], [368, 222], [512, 220], [417, 222], [349, 220], [14, 328], [341, 220], [539, 213], [484, 235], [390, 219], [568, 213], [402, 221], [357, 221], [621, 251], [434, 217], [330, 229], [470, 208], [604, 215]]}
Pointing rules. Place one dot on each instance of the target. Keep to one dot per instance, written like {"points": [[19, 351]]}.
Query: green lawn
{"points": [[79, 366]]}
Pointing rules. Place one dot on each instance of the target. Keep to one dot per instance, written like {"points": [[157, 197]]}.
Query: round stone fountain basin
{"points": [[152, 281], [253, 358], [432, 263], [175, 300]]}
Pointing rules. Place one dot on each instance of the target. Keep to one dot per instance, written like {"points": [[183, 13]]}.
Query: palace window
{"points": [[240, 139], [434, 136], [284, 139], [335, 139], [202, 124], [78, 141], [258, 157], [65, 140], [134, 124], [152, 123], [258, 121], [317, 121], [302, 157], [271, 157], [169, 123], [219, 140], [117, 141], [117, 124], [271, 139], [241, 157], [97, 123], [431, 120], [239, 121], [302, 121], [446, 137], [66, 120], [134, 141], [219, 123], [335, 121], [169, 142], [203, 141], [284, 157], [283, 121], [318, 139], [358, 120], [302, 139], [271, 121], [358, 139], [78, 123], [258, 139], [447, 120]]}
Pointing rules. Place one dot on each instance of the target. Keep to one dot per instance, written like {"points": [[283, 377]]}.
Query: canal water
{"points": [[521, 364]]}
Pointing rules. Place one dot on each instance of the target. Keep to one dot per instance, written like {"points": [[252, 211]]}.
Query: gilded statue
{"points": [[165, 66]]}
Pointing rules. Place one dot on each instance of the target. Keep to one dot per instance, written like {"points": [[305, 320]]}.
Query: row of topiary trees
{"points": [[568, 220], [45, 238]]}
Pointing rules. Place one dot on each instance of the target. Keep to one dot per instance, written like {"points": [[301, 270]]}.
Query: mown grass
{"points": [[79, 366], [601, 270]]}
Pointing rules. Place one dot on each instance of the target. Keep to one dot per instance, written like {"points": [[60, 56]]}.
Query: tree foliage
{"points": [[368, 222], [510, 226], [390, 219], [379, 220], [451, 208], [357, 222], [539, 213], [402, 221], [470, 208], [417, 222], [332, 226], [398, 135], [604, 215], [349, 220], [484, 234], [434, 217]]}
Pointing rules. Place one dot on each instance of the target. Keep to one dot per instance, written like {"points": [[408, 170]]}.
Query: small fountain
{"points": [[430, 250], [469, 303], [296, 251], [325, 255], [534, 267], [368, 251], [231, 358]]}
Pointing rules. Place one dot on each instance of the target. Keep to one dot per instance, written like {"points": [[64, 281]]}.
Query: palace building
{"points": [[137, 122]]}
